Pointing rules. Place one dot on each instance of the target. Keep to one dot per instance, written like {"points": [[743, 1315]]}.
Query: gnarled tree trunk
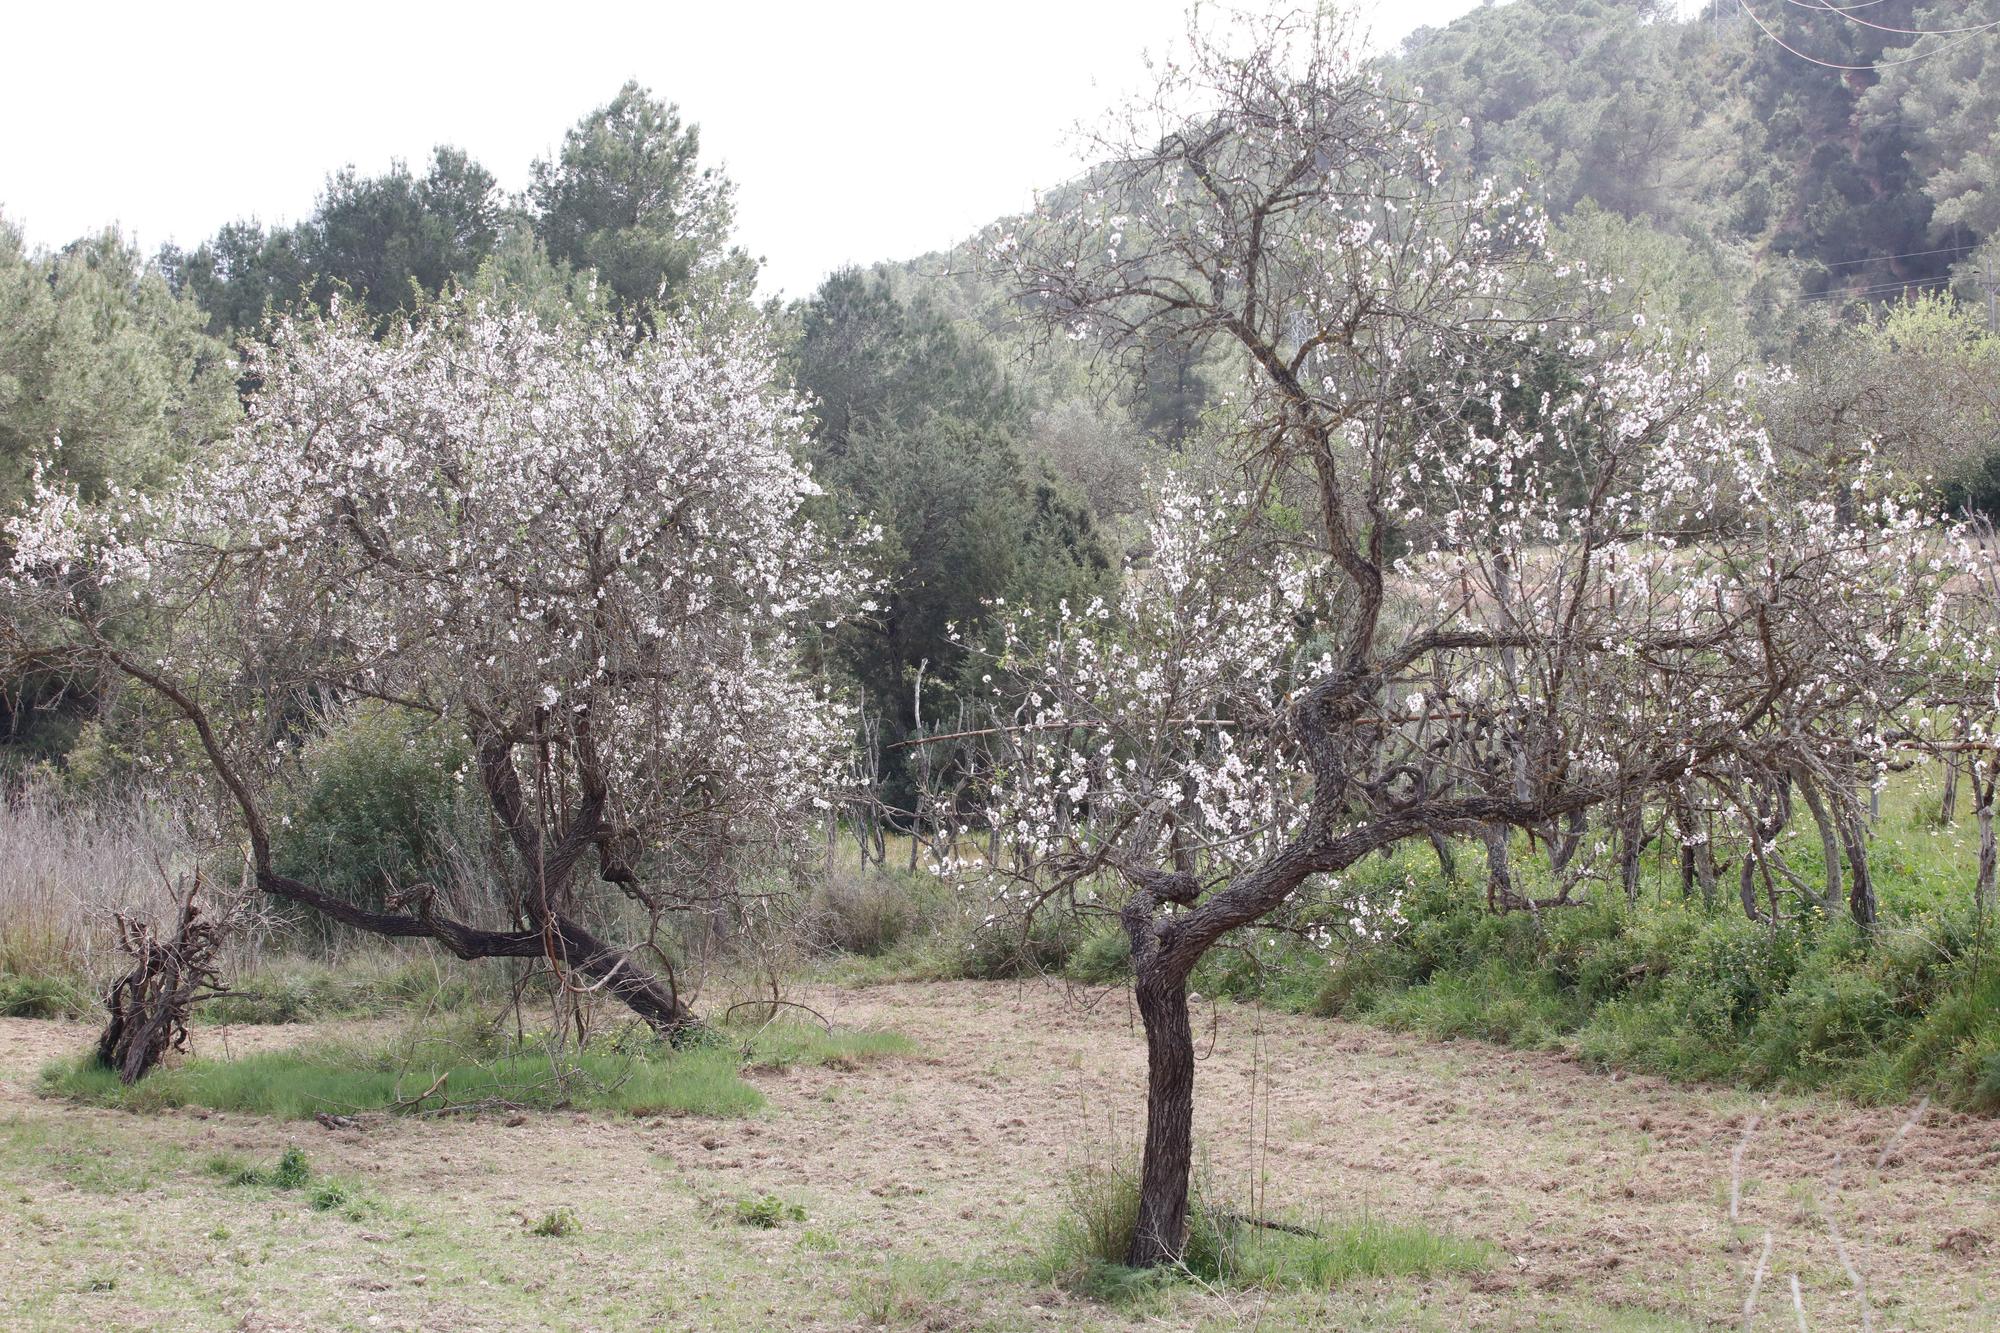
{"points": [[1169, 1155], [150, 1005]]}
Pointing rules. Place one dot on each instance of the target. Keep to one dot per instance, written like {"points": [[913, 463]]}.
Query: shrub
{"points": [[1001, 951], [1102, 957], [868, 911], [1827, 1017], [375, 809]]}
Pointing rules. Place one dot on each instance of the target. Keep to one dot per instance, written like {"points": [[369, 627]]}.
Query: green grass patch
{"points": [[767, 1211], [294, 1171], [302, 1082], [783, 1045], [1093, 1234], [465, 1066]]}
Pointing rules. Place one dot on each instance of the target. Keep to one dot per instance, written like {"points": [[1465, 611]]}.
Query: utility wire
{"points": [[1825, 7], [1828, 64], [1908, 254], [1858, 293]]}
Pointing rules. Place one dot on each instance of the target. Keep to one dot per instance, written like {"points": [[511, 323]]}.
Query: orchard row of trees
{"points": [[1462, 547]]}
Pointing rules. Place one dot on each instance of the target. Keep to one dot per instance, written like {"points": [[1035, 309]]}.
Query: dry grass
{"points": [[930, 1185], [64, 870]]}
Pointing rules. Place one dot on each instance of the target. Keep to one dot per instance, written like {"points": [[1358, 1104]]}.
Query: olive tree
{"points": [[1428, 603], [584, 552]]}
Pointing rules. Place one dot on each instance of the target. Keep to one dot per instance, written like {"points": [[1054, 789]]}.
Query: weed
{"points": [[767, 1211], [559, 1222], [328, 1195]]}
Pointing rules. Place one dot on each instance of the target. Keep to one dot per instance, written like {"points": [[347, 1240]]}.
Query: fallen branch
{"points": [[1290, 1229]]}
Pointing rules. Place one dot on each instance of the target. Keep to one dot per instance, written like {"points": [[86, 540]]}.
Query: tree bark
{"points": [[1861, 885], [1169, 1155], [1829, 847]]}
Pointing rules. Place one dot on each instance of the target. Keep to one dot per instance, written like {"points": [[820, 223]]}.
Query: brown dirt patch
{"points": [[928, 1180]]}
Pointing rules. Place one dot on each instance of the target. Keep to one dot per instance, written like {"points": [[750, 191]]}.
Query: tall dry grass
{"points": [[66, 869]]}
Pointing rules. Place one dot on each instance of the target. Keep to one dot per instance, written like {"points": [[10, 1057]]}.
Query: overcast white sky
{"points": [[854, 131]]}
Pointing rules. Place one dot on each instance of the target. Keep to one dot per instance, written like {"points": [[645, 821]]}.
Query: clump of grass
{"points": [[289, 1172], [58, 994], [1093, 1238], [292, 1170], [558, 1222], [767, 1211], [329, 1195]]}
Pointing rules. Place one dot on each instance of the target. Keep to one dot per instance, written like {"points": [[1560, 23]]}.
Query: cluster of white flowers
{"points": [[592, 543], [1159, 716]]}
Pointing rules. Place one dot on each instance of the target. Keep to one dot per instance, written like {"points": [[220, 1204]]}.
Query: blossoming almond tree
{"points": [[1490, 609], [582, 552]]}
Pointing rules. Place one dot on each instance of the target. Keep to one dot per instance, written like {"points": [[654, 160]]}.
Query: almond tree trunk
{"points": [[1169, 1156]]}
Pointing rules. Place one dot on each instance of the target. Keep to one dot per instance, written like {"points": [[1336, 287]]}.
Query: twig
{"points": [[1798, 1304], [405, 1103], [825, 1022]]}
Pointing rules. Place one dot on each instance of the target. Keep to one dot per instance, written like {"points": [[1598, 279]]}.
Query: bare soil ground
{"points": [[930, 1182]]}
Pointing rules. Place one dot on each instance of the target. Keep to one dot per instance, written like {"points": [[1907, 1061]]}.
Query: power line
{"points": [[1908, 254], [1765, 28], [1859, 293], [1826, 7]]}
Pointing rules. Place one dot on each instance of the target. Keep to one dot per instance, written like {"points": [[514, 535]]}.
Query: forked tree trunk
{"points": [[1861, 885], [1829, 847], [1169, 1156]]}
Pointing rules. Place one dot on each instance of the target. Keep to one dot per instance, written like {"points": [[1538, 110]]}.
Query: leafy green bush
{"points": [[1001, 951], [374, 811], [1674, 986], [1102, 957]]}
